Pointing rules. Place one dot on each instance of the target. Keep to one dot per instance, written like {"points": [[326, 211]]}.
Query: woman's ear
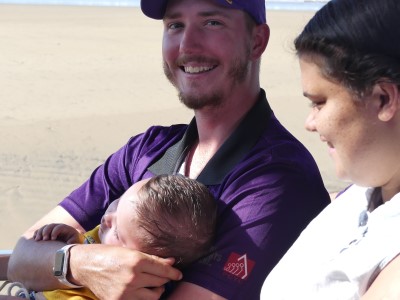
{"points": [[389, 100], [260, 40]]}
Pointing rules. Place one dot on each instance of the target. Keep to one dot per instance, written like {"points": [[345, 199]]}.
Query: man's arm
{"points": [[4, 265], [386, 286], [109, 272], [29, 256]]}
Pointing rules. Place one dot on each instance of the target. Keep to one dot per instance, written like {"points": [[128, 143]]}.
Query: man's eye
{"points": [[175, 26], [213, 23]]}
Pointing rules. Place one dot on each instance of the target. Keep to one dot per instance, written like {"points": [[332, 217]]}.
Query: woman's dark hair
{"points": [[178, 216], [355, 42]]}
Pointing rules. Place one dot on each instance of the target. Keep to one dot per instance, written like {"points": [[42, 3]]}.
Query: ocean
{"points": [[270, 5]]}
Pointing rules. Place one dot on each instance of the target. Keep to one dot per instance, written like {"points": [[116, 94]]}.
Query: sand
{"points": [[77, 82]]}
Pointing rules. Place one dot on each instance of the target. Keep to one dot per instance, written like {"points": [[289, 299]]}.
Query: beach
{"points": [[78, 82]]}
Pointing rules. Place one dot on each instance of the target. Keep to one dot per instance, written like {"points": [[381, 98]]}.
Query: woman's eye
{"points": [[317, 105]]}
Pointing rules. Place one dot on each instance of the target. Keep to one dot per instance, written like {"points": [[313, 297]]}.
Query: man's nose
{"points": [[191, 40]]}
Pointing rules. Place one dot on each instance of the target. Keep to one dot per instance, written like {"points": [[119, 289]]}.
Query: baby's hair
{"points": [[178, 218]]}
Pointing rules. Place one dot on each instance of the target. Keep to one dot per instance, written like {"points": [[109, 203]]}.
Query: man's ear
{"points": [[260, 40], [389, 99]]}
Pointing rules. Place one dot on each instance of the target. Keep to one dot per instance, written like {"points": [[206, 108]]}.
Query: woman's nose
{"points": [[310, 121]]}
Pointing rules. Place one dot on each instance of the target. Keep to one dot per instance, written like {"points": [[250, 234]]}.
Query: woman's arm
{"points": [[387, 285]]}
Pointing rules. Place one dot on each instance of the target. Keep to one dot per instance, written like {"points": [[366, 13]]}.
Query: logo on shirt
{"points": [[239, 265], [214, 257]]}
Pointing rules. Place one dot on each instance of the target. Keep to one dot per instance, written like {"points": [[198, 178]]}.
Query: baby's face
{"points": [[118, 226]]}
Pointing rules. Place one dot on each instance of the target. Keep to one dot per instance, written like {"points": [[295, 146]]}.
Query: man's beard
{"points": [[237, 74]]}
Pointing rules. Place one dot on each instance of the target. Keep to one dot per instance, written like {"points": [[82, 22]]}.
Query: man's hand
{"points": [[110, 272], [57, 232], [119, 273]]}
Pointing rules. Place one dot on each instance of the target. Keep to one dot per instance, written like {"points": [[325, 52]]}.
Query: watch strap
{"points": [[63, 277]]}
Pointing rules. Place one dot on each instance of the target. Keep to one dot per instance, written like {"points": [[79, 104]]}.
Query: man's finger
{"points": [[161, 267]]}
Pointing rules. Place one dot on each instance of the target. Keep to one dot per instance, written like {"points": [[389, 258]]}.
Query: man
{"points": [[266, 183]]}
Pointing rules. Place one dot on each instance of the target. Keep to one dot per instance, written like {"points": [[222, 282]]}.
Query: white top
{"points": [[340, 252]]}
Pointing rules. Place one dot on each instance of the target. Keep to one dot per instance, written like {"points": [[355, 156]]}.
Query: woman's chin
{"points": [[342, 175]]}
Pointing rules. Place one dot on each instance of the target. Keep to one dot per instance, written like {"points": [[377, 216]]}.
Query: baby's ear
{"points": [[389, 97]]}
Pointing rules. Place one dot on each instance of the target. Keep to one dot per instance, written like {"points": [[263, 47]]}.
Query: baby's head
{"points": [[167, 216]]}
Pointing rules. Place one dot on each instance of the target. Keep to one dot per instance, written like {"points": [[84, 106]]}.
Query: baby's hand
{"points": [[59, 232]]}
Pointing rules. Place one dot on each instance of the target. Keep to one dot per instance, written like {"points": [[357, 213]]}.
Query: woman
{"points": [[349, 56]]}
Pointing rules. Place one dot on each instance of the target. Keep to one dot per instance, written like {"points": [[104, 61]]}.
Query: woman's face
{"points": [[350, 129]]}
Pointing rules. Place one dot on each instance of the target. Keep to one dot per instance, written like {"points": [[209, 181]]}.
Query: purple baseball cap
{"points": [[155, 9]]}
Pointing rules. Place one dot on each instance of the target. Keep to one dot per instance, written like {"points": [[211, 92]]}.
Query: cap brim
{"points": [[154, 9]]}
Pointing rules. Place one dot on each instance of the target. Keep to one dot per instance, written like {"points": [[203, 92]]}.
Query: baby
{"points": [[167, 216]]}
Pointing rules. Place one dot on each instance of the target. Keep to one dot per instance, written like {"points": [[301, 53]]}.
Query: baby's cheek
{"points": [[112, 240]]}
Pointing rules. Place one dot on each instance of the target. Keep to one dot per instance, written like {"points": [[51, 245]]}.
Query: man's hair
{"points": [[177, 218], [355, 43]]}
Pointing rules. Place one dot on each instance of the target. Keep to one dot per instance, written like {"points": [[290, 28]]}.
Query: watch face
{"points": [[58, 263]]}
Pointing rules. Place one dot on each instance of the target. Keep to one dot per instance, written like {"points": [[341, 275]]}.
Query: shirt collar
{"points": [[232, 151]]}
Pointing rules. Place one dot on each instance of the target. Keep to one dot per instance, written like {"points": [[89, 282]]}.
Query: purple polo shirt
{"points": [[267, 185]]}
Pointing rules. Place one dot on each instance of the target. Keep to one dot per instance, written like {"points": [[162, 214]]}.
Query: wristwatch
{"points": [[61, 263]]}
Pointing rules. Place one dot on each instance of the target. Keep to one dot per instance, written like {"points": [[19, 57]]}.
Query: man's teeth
{"points": [[197, 69]]}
